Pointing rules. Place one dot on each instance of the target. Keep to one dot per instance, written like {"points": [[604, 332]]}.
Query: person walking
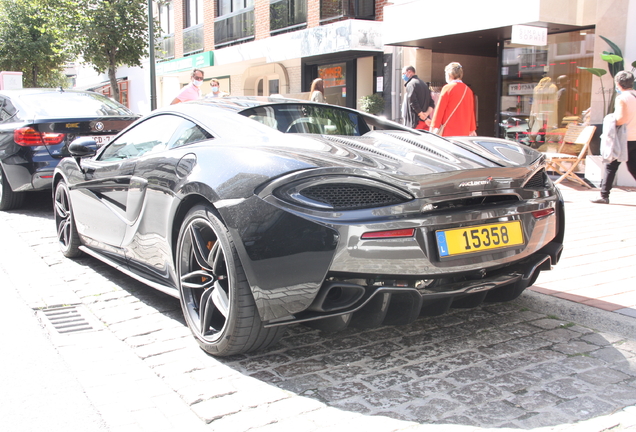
{"points": [[317, 91], [192, 90], [418, 104], [455, 111], [625, 150], [216, 92]]}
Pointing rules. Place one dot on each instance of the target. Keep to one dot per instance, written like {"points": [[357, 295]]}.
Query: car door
{"points": [[108, 201], [152, 201]]}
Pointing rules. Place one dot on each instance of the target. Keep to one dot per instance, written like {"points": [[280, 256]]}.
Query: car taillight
{"points": [[389, 234], [27, 136], [542, 213]]}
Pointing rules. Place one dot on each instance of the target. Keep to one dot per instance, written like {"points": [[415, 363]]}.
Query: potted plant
{"points": [[615, 64], [373, 104]]}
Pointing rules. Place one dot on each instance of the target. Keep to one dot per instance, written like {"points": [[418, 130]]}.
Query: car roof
{"points": [[27, 91]]}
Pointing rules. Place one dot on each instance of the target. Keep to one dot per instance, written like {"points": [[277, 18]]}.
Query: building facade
{"points": [[522, 63], [272, 47]]}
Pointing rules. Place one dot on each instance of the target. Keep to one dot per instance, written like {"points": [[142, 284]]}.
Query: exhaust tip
{"points": [[334, 296]]}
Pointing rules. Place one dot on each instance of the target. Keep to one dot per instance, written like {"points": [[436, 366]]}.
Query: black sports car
{"points": [[259, 213], [36, 127]]}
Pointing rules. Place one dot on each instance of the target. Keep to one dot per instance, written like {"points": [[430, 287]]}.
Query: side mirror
{"points": [[83, 147]]}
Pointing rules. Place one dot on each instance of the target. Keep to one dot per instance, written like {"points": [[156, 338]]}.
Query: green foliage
{"points": [[28, 47], [615, 64], [109, 34], [373, 104]]}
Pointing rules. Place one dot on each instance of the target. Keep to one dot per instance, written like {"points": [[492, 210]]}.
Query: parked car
{"points": [[36, 127], [259, 213]]}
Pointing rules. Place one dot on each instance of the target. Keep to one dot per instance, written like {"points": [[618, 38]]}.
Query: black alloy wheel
{"points": [[215, 296], [67, 235], [9, 200]]}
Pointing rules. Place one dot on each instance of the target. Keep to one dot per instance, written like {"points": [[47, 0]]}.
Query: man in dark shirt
{"points": [[418, 104]]}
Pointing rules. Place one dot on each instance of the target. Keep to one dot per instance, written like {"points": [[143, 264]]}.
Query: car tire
{"points": [[67, 235], [9, 200], [216, 299]]}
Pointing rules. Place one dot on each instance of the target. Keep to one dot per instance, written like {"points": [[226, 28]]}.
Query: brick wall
{"points": [[313, 13], [379, 9], [209, 14], [261, 18], [178, 8]]}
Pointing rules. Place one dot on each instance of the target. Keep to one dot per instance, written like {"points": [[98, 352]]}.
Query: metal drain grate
{"points": [[65, 320]]}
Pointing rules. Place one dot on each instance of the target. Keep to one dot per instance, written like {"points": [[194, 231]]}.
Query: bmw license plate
{"points": [[101, 140], [479, 238]]}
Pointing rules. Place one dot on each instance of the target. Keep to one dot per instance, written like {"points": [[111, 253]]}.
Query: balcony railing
{"points": [[331, 10], [165, 47], [234, 28], [287, 15], [193, 39]]}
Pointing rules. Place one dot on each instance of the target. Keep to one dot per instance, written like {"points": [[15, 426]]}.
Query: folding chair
{"points": [[564, 164]]}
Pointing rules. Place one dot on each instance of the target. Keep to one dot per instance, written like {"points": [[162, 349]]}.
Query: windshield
{"points": [[311, 119], [72, 104]]}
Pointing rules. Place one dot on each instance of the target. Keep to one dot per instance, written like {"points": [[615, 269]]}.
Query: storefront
{"points": [[542, 87]]}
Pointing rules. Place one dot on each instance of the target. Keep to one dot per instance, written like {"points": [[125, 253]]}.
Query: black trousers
{"points": [[611, 168]]}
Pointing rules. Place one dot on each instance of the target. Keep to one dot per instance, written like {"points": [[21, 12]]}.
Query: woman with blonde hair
{"points": [[455, 111], [317, 91]]}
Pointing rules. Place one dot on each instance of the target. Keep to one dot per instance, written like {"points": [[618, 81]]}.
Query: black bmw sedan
{"points": [[36, 127]]}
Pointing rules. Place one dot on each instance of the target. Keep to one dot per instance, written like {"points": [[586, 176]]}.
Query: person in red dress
{"points": [[456, 107]]}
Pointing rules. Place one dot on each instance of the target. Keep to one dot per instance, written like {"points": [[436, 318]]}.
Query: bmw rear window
{"points": [[71, 104]]}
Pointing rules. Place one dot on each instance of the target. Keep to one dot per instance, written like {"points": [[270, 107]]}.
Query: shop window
{"points": [[334, 77], [543, 90]]}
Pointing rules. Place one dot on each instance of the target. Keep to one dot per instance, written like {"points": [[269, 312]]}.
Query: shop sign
{"points": [[196, 61], [528, 35], [332, 75], [521, 89]]}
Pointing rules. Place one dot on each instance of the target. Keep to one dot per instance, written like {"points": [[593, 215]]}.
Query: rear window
{"points": [[70, 104], [311, 119]]}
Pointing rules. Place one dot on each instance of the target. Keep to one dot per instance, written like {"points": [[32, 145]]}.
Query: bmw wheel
{"points": [[9, 200], [67, 235], [215, 296]]}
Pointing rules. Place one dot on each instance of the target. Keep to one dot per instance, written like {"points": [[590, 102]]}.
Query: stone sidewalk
{"points": [[598, 262], [537, 363]]}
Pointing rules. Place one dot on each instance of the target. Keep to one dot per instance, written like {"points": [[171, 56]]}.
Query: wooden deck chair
{"points": [[563, 164]]}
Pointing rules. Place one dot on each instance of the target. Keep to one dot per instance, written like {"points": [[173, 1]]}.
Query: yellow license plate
{"points": [[479, 238]]}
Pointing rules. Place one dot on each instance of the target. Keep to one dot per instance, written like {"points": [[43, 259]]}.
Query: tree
{"points": [[28, 47], [103, 33], [113, 33]]}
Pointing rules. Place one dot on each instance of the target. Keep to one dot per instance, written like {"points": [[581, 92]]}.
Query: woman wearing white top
{"points": [[317, 91], [625, 114]]}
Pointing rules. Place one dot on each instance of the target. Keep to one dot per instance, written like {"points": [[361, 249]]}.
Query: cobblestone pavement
{"points": [[498, 366]]}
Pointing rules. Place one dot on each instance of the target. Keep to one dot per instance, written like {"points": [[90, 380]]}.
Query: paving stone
{"points": [[585, 407], [574, 347], [432, 410], [476, 393], [566, 388], [301, 367], [428, 387], [342, 391], [534, 400], [602, 376], [386, 399], [386, 380]]}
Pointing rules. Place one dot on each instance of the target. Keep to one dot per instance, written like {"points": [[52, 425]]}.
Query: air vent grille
{"points": [[350, 197]]}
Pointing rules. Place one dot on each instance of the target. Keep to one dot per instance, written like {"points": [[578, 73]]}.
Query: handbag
{"points": [[440, 131]]}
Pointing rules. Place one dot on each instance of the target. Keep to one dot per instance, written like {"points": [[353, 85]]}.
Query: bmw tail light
{"points": [[27, 136]]}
